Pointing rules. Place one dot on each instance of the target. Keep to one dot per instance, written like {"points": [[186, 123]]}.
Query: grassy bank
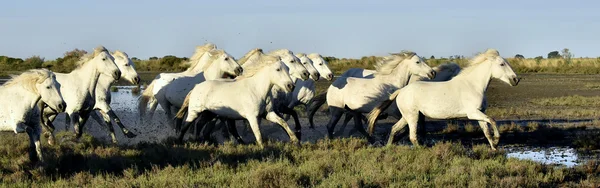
{"points": [[349, 163]]}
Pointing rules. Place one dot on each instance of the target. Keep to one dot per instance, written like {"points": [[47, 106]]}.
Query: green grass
{"points": [[574, 100], [350, 163]]}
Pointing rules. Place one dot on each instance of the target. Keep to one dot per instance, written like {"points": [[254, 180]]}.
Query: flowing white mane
{"points": [[314, 55], [265, 60], [299, 55], [87, 57], [199, 52], [121, 54], [388, 64], [251, 53], [280, 52], [29, 78], [480, 58], [214, 54]]}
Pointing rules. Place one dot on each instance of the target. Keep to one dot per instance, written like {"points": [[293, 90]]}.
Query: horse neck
{"points": [[261, 84], [197, 68], [213, 72], [398, 79], [479, 78], [26, 96], [89, 75], [104, 82]]}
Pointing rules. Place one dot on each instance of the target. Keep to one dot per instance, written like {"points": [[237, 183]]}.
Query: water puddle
{"points": [[553, 155]]}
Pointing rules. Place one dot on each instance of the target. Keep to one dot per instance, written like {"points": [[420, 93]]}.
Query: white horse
{"points": [[216, 64], [460, 97], [155, 88], [105, 114], [296, 69], [361, 95], [19, 112], [444, 72], [242, 98], [305, 89], [79, 89]]}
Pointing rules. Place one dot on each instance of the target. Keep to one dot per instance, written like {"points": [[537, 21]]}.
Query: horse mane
{"points": [[29, 78], [265, 60], [250, 54], [299, 55], [87, 57], [119, 53], [214, 54], [388, 64], [280, 52], [314, 55], [199, 51], [479, 59]]}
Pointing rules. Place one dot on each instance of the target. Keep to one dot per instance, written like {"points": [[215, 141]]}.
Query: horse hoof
{"points": [[130, 135]]}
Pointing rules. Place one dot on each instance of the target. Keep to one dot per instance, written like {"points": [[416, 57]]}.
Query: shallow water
{"points": [[553, 155], [124, 103]]}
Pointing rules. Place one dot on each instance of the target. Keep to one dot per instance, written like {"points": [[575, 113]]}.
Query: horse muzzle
{"points": [[290, 87], [330, 77], [316, 76], [117, 75], [62, 106], [431, 74], [238, 71], [136, 80], [305, 75], [515, 81]]}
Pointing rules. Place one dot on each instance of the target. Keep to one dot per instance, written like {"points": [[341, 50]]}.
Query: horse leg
{"points": [[35, 147], [421, 125], [80, 122], [204, 117], [115, 118], [412, 128], [105, 119], [483, 121], [208, 129], [336, 114], [397, 127], [273, 117], [298, 128], [47, 124], [233, 130], [253, 121], [359, 126], [347, 119]]}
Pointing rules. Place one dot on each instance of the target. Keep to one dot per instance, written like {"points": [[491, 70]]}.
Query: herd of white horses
{"points": [[217, 90]]}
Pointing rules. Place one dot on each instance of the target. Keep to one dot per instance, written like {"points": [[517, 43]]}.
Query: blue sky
{"points": [[341, 28]]}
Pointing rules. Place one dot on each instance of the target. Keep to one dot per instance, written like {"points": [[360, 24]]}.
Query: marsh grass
{"points": [[573, 100], [350, 163]]}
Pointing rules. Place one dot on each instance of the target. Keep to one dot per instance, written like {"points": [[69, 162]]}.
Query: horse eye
{"points": [[418, 62], [320, 63], [103, 59], [292, 61], [47, 87], [502, 64], [227, 59], [127, 65], [278, 70]]}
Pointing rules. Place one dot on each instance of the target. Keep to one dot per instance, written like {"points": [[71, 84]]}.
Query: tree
{"points": [[432, 57], [519, 56], [553, 55], [539, 58], [566, 54]]}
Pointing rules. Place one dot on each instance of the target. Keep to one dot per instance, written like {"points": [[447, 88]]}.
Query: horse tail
{"points": [[144, 98], [184, 108], [314, 105], [380, 108]]}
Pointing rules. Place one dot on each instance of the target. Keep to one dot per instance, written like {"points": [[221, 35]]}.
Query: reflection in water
{"points": [[553, 155]]}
